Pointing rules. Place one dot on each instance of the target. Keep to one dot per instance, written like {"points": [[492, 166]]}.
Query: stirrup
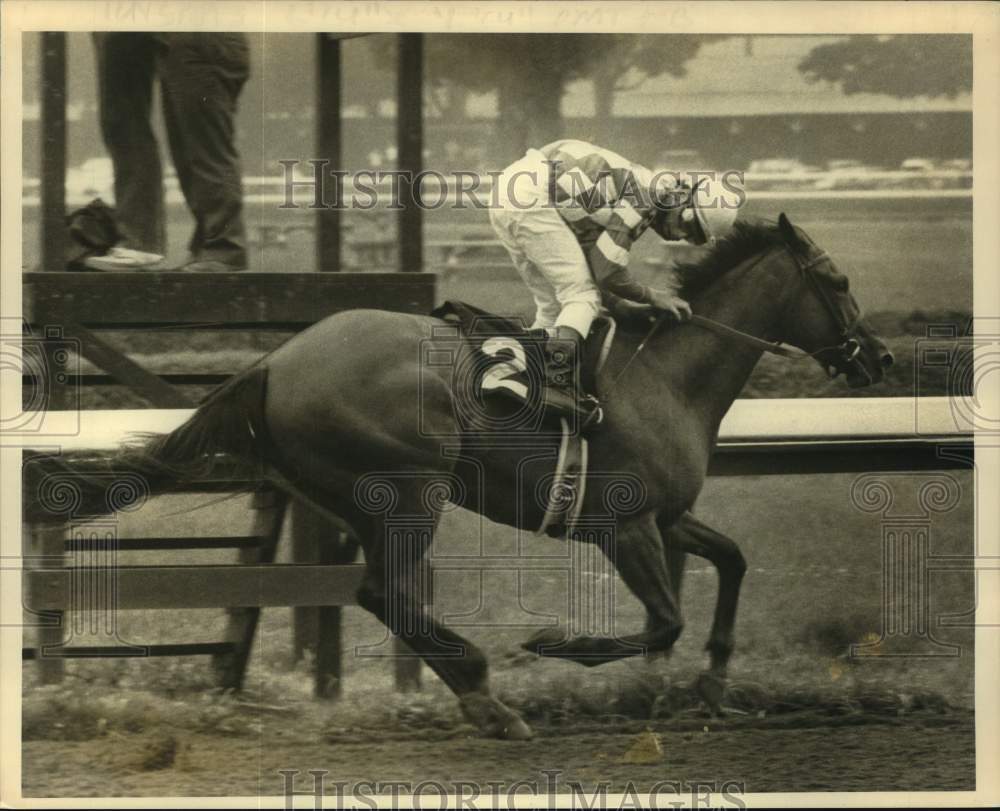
{"points": [[593, 415], [585, 411]]}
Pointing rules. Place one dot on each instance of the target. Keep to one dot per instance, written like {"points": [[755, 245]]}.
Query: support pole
{"points": [[310, 532], [269, 511], [303, 526], [52, 175], [410, 146], [52, 172], [328, 147], [315, 539], [329, 676], [48, 550]]}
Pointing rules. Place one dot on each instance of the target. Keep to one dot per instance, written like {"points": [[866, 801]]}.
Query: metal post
{"points": [[328, 147], [52, 171], [410, 146]]}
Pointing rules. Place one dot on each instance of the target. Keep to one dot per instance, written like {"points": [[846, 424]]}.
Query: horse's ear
{"points": [[788, 232]]}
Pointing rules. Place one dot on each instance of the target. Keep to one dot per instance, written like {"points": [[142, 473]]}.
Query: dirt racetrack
{"points": [[808, 715], [801, 752]]}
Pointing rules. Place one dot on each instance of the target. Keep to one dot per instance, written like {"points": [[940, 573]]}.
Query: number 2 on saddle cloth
{"points": [[499, 392]]}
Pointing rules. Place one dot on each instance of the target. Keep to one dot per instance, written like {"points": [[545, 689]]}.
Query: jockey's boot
{"points": [[563, 393]]}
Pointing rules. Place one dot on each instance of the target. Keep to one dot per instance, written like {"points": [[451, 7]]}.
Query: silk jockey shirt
{"points": [[608, 202]]}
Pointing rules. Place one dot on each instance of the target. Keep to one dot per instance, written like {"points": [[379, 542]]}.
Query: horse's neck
{"points": [[707, 370]]}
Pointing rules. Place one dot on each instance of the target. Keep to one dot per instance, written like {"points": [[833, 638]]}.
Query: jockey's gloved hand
{"points": [[669, 303], [632, 312]]}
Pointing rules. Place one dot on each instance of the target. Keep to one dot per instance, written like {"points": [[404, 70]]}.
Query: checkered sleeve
{"points": [[607, 201], [608, 257]]}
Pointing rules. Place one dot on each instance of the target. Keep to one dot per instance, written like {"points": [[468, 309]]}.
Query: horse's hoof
{"points": [[545, 638], [517, 730], [494, 718], [711, 687]]}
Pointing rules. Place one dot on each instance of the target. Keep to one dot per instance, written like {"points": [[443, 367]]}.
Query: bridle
{"points": [[844, 356]]}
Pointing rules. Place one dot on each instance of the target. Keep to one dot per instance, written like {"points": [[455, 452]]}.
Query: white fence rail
{"points": [[756, 436]]}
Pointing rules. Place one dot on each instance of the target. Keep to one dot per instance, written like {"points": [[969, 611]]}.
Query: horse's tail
{"points": [[224, 438]]}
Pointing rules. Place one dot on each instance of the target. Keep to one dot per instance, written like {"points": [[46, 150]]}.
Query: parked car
{"points": [[926, 173], [779, 166], [957, 165], [849, 166], [917, 165], [849, 173], [785, 174]]}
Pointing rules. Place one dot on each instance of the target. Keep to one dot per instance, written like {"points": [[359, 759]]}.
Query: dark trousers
{"points": [[201, 75]]}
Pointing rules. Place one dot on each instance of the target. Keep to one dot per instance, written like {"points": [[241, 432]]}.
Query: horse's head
{"points": [[824, 319]]}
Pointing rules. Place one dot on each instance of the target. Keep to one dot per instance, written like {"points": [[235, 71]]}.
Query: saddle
{"points": [[503, 382], [512, 357]]}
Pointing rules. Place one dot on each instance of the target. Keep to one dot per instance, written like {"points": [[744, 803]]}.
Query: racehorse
{"points": [[350, 416]]}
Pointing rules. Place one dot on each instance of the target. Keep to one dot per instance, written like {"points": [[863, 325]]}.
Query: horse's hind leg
{"points": [[396, 589], [689, 534], [676, 560]]}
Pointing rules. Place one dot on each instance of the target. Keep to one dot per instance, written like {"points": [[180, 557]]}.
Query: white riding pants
{"points": [[543, 247]]}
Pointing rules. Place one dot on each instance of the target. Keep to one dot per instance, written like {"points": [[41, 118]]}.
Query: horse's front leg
{"points": [[693, 536], [636, 550]]}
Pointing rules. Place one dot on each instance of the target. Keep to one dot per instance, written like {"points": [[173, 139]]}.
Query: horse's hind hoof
{"points": [[494, 718]]}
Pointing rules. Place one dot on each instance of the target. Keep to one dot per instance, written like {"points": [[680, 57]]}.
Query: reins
{"points": [[773, 347], [642, 345]]}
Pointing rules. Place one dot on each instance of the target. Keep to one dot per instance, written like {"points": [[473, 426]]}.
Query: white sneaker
{"points": [[119, 258]]}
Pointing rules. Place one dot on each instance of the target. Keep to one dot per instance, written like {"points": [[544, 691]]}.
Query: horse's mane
{"points": [[747, 239]]}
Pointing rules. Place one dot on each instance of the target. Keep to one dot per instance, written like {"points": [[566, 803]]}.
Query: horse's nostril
{"points": [[887, 359]]}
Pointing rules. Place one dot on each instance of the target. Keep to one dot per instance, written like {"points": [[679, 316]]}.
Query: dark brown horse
{"points": [[351, 415]]}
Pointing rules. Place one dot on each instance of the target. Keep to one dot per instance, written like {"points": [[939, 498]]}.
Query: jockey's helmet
{"points": [[712, 210]]}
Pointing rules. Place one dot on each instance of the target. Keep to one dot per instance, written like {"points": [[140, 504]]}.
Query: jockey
{"points": [[568, 215]]}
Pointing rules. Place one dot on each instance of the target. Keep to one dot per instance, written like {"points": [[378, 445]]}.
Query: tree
{"points": [[529, 73], [904, 65], [624, 61]]}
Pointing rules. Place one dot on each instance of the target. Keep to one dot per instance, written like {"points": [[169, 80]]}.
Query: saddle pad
{"points": [[512, 357]]}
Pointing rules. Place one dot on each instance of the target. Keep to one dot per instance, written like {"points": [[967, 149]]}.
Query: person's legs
{"points": [[201, 76], [546, 304], [126, 65], [555, 263], [553, 250]]}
